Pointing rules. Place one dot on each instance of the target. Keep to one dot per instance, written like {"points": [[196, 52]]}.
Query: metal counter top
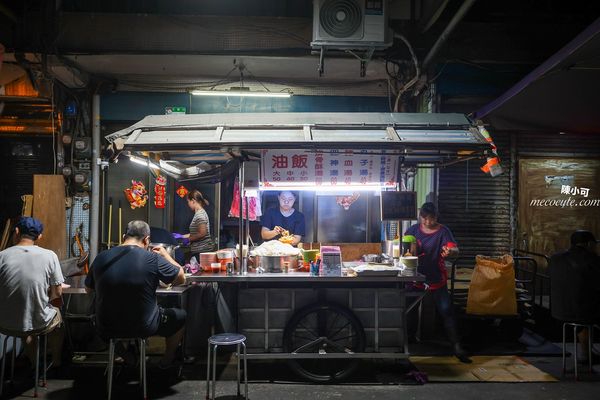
{"points": [[297, 277]]}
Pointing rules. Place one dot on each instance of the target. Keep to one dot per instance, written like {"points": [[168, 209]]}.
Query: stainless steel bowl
{"points": [[387, 247], [275, 263], [170, 248]]}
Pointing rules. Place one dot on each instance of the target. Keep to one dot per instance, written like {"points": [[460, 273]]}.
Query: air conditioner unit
{"points": [[350, 24]]}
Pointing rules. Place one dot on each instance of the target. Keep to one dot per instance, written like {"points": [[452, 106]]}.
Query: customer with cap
{"points": [[574, 289], [125, 279], [435, 242], [30, 276]]}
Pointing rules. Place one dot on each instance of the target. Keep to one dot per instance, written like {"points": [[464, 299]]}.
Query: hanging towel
{"points": [[254, 205]]}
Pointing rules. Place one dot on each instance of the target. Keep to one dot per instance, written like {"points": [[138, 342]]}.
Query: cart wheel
{"points": [[324, 328]]}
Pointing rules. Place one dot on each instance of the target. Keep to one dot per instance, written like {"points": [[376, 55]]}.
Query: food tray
{"points": [[376, 270]]}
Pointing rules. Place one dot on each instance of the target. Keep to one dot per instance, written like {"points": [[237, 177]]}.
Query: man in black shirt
{"points": [[125, 279], [575, 284]]}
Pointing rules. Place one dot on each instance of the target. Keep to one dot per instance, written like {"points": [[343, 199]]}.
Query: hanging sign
{"points": [[327, 168], [181, 191], [160, 191]]}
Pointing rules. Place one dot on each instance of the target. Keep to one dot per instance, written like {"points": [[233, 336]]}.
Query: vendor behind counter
{"points": [[284, 220]]}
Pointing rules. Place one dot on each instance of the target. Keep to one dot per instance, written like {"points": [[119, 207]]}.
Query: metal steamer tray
{"points": [[376, 269]]}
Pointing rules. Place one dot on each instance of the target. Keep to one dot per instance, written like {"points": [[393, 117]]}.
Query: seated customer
{"points": [[30, 277], [125, 279], [574, 277]]}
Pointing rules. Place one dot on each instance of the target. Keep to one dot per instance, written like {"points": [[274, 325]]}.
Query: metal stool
{"points": [[37, 362], [576, 325], [111, 361], [225, 339]]}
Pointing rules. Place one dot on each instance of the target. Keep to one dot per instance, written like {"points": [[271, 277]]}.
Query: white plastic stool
{"points": [[575, 325], [225, 339], [111, 361]]}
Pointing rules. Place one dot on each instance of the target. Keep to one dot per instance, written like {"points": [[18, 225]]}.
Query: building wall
{"points": [[488, 215]]}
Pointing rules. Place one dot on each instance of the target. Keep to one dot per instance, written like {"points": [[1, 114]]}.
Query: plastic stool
{"points": [[576, 325], [37, 362], [225, 339], [111, 361]]}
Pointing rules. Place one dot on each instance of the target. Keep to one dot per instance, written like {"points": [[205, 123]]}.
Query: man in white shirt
{"points": [[30, 276]]}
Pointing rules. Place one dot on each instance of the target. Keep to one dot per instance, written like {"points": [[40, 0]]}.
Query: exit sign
{"points": [[175, 110]]}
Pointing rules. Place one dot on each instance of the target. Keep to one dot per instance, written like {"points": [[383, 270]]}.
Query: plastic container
{"points": [[225, 256], [206, 259], [215, 267]]}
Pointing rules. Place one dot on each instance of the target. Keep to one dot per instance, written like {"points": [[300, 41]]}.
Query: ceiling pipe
{"points": [[462, 11], [8, 13], [95, 201], [435, 16]]}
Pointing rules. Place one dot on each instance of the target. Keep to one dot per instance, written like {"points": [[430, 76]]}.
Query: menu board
{"points": [[398, 205], [328, 168]]}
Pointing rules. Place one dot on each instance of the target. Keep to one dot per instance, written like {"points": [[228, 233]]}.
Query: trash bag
{"points": [[492, 288]]}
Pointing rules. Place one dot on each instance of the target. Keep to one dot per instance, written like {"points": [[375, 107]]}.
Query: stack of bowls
{"points": [[409, 265]]}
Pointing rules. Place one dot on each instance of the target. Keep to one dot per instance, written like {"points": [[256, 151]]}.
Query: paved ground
{"points": [[375, 380]]}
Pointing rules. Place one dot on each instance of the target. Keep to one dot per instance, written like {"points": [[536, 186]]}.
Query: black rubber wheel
{"points": [[324, 328]]}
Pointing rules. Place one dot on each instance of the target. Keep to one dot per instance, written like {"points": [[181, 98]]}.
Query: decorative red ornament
{"points": [[136, 195], [160, 192], [182, 191]]}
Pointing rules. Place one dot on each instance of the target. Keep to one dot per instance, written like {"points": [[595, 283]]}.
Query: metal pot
{"points": [[275, 263], [387, 247], [170, 248], [371, 258]]}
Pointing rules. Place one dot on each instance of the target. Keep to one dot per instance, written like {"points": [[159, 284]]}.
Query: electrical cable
{"points": [[53, 133], [256, 79], [415, 79]]}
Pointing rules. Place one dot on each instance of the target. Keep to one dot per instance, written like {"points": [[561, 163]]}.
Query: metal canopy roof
{"points": [[389, 131], [561, 95]]}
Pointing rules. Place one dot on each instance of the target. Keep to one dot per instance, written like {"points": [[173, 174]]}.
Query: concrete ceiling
{"points": [[179, 45]]}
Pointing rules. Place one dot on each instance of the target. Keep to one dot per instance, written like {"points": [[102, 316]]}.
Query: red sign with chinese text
{"points": [[328, 168], [160, 192]]}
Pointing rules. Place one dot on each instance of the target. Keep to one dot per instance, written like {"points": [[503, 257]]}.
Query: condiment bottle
{"points": [[396, 251]]}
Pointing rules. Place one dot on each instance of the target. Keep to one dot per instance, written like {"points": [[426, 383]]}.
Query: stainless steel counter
{"points": [[301, 277]]}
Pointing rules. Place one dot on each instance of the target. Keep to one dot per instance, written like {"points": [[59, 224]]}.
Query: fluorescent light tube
{"points": [[144, 161], [139, 160], [168, 167], [238, 93], [329, 189]]}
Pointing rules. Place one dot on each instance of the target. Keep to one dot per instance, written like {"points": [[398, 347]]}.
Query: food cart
{"points": [[323, 324]]}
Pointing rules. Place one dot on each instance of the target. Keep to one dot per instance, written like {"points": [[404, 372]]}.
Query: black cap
{"points": [[29, 226], [582, 237]]}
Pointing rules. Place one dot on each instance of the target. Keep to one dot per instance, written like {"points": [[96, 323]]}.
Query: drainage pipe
{"points": [[462, 11]]}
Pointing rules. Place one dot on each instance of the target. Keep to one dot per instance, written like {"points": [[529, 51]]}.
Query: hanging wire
{"points": [[219, 82], [53, 131], [254, 77]]}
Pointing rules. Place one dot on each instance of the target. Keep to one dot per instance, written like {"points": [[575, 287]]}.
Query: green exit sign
{"points": [[175, 110]]}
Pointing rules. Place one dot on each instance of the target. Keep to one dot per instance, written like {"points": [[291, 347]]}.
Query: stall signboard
{"points": [[328, 168]]}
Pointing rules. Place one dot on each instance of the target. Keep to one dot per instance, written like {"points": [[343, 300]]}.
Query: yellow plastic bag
{"points": [[492, 288]]}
